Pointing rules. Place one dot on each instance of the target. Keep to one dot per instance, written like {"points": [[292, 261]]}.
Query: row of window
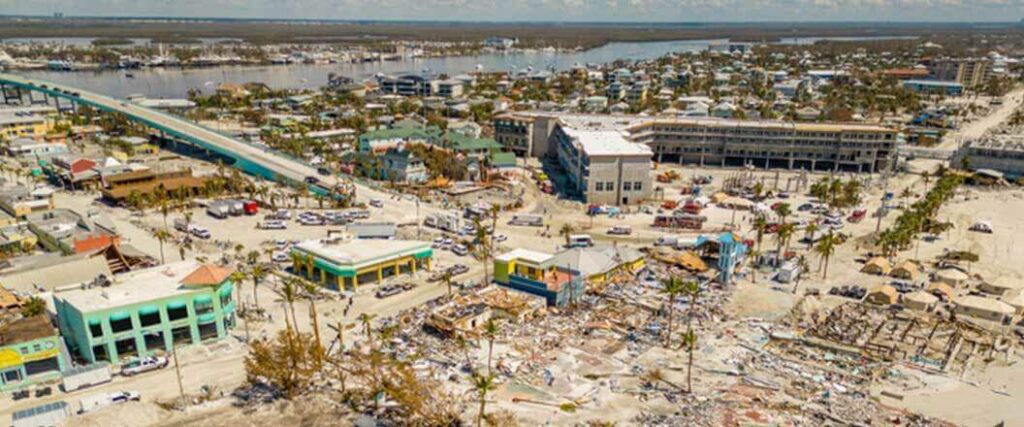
{"points": [[626, 186], [152, 319]]}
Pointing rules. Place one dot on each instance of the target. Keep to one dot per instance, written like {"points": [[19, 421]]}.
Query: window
{"points": [[176, 312], [609, 186], [96, 330], [599, 186], [121, 325], [638, 186], [204, 308], [626, 186], [225, 299], [12, 376], [149, 319]]}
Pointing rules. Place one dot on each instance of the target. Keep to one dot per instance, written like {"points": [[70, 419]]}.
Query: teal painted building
{"points": [[345, 264], [31, 352], [147, 312]]}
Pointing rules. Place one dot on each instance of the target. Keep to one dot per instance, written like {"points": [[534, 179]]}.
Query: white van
{"points": [[200, 232], [622, 230], [580, 241], [531, 220]]}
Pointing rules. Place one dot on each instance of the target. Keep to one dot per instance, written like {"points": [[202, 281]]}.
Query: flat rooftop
{"points": [[358, 253], [606, 143], [632, 123], [525, 254], [134, 288]]}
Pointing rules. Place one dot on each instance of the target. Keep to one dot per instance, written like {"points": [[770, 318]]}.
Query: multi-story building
{"points": [[769, 144], [405, 85], [603, 166], [450, 88], [525, 134], [970, 72], [26, 122], [28, 147], [1004, 154], [30, 353], [705, 140], [147, 311]]}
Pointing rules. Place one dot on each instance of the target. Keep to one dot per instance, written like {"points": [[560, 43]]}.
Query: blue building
{"points": [[728, 249], [934, 87]]}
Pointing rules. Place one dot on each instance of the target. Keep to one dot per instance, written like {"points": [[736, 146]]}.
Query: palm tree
{"points": [[826, 248], [783, 211], [446, 277], [366, 319], [161, 235], [491, 330], [671, 287], [802, 267], [752, 257], [566, 231], [786, 232], [257, 273], [482, 247], [690, 342], [238, 278], [809, 233], [34, 306], [289, 292], [312, 291], [760, 225], [482, 384]]}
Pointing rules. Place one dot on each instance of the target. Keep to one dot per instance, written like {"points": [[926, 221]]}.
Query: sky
{"points": [[541, 10]]}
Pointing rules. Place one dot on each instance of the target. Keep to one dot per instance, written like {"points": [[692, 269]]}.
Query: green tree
{"points": [[483, 384]]}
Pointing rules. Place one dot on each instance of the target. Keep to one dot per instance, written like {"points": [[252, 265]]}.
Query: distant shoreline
{"points": [[560, 35]]}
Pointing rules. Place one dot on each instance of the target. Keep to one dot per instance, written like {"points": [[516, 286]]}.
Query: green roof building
{"points": [[147, 312]]}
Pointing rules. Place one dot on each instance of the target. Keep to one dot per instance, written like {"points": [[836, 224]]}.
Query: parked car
{"points": [[142, 365], [272, 225], [279, 257], [460, 250], [200, 232], [389, 290], [377, 203]]}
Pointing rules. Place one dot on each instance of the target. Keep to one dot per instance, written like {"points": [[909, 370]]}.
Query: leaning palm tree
{"points": [[809, 233], [826, 248], [671, 287], [161, 235], [482, 384]]}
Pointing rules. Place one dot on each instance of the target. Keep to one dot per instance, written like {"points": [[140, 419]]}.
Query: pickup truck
{"points": [[142, 365]]}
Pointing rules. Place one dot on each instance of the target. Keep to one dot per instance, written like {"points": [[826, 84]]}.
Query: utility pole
{"points": [[177, 372]]}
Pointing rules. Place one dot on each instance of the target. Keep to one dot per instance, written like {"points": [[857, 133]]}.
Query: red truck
{"points": [[857, 215], [250, 207]]}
